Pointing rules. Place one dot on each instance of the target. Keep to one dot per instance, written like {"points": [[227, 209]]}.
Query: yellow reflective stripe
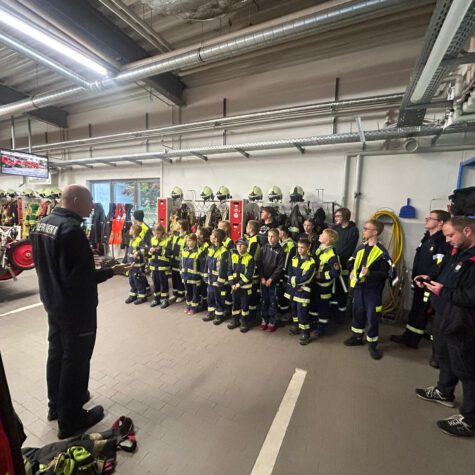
{"points": [[414, 329], [372, 339], [325, 284], [327, 275], [325, 296], [357, 330], [379, 308], [307, 289], [301, 300], [303, 326]]}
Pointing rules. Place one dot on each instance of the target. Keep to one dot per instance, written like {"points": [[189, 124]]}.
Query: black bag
{"points": [[463, 202]]}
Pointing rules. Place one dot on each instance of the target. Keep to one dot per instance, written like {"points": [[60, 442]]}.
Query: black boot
{"points": [[208, 317], [374, 352], [155, 303], [294, 330], [234, 323], [304, 338], [164, 303], [353, 341], [130, 299], [140, 300], [405, 339], [243, 327]]}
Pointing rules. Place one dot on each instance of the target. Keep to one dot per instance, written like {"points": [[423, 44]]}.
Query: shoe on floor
{"points": [[186, 310], [234, 323], [218, 320], [155, 303], [457, 426], [433, 394], [88, 419], [263, 326], [271, 328], [164, 303], [403, 340], [304, 339], [179, 299], [243, 328], [208, 317], [353, 341], [374, 353], [294, 330], [130, 299], [140, 301], [53, 412], [434, 363]]}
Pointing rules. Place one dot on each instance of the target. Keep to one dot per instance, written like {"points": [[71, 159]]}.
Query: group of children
{"points": [[253, 280]]}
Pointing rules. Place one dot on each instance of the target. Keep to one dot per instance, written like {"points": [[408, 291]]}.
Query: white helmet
{"points": [[177, 193], [255, 194], [274, 193]]}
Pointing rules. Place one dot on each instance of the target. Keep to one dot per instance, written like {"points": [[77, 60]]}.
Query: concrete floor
{"points": [[203, 397]]}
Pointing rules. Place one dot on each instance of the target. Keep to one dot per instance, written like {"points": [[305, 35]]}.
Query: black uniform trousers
{"points": [[269, 303], [216, 300], [241, 299], [418, 315], [67, 369], [456, 357], [177, 283], [192, 295], [342, 300], [367, 306], [138, 283], [160, 284]]}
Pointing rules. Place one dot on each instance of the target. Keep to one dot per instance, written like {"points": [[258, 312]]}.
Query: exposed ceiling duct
{"points": [[246, 148], [334, 108], [260, 37], [196, 9]]}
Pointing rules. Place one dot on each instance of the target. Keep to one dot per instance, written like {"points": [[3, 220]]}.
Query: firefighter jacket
{"points": [[301, 274], [254, 247], [65, 267], [145, 233], [348, 238], [136, 254], [191, 265], [290, 250], [429, 254], [313, 238], [327, 266], [217, 266], [178, 243], [160, 259], [271, 263], [243, 267], [458, 294], [229, 244], [377, 260]]}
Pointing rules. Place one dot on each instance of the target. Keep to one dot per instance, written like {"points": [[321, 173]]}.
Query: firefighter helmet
{"points": [[54, 193], [10, 192], [177, 193], [255, 194], [223, 193], [274, 193], [207, 194], [28, 193], [296, 194]]}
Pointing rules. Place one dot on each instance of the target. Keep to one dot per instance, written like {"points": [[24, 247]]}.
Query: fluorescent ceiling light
{"points": [[452, 22], [38, 35]]}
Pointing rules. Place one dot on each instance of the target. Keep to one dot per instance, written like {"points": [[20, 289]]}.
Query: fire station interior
{"points": [[208, 111]]}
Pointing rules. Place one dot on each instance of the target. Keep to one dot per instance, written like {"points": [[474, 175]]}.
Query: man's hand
{"points": [[420, 279], [434, 287], [263, 281], [364, 272], [121, 269], [268, 282]]}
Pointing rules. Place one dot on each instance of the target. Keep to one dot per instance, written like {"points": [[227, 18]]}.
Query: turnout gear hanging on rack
{"points": [[96, 237]]}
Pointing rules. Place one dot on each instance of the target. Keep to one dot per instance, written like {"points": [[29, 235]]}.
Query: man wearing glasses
{"points": [[429, 255]]}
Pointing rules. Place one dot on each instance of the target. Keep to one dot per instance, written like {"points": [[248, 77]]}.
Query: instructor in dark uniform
{"points": [[68, 289]]}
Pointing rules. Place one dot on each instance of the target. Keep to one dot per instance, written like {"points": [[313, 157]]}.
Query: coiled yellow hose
{"points": [[394, 303]]}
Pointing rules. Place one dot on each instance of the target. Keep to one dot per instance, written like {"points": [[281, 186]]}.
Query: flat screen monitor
{"points": [[23, 164]]}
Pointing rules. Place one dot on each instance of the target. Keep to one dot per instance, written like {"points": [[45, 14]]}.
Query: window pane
{"points": [[147, 195], [100, 191], [123, 192]]}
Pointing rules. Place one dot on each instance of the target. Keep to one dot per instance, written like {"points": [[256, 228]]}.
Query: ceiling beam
{"points": [[85, 21], [52, 115]]}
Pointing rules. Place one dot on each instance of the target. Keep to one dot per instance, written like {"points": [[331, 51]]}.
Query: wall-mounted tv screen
{"points": [[23, 164]]}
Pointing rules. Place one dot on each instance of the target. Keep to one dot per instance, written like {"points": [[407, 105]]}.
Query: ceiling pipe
{"points": [[26, 50], [129, 17], [324, 108], [331, 139], [262, 37]]}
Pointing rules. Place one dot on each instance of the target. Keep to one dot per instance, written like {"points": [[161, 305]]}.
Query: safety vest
{"points": [[301, 272], [254, 246], [190, 266], [377, 252], [160, 260], [243, 267]]}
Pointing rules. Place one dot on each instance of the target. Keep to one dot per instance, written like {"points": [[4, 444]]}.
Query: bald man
{"points": [[68, 289]]}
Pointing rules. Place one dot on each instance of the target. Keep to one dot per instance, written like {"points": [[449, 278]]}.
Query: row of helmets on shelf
{"points": [[274, 194], [42, 193]]}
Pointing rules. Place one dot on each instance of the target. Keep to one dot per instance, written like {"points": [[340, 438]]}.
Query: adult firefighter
{"points": [[68, 289]]}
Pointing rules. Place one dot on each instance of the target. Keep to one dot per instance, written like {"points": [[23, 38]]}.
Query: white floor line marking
{"points": [[21, 309], [270, 448]]}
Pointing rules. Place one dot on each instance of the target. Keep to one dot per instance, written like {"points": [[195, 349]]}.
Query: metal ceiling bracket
{"points": [[108, 163], [299, 148], [359, 124], [199, 155], [85, 165], [242, 152], [138, 162]]}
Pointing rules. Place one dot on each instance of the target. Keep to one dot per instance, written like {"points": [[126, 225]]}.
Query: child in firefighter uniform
{"points": [[178, 243], [203, 235], [301, 273], [216, 271], [159, 257], [191, 266], [240, 279], [254, 249], [370, 267], [290, 250], [229, 245], [327, 270], [136, 257]]}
